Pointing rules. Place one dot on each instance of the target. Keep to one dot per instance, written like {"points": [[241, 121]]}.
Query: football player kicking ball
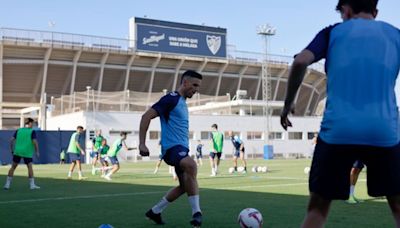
{"points": [[173, 112]]}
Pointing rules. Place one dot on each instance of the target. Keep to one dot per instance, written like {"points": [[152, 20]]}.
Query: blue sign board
{"points": [[177, 38]]}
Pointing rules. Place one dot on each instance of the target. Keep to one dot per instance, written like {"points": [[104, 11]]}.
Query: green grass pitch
{"points": [[281, 196]]}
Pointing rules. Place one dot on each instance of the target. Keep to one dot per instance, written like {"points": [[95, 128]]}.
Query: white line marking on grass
{"points": [[262, 186], [80, 197]]}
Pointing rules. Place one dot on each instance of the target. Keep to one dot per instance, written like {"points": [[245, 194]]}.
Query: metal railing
{"points": [[125, 45]]}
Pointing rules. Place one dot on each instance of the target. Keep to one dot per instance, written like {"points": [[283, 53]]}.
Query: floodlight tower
{"points": [[266, 31]]}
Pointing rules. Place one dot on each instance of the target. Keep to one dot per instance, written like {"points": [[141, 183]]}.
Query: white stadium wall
{"points": [[112, 122]]}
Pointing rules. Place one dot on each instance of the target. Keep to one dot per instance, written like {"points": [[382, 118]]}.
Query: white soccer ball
{"points": [[250, 218], [264, 169], [307, 170], [259, 169], [254, 169], [240, 169], [231, 170]]}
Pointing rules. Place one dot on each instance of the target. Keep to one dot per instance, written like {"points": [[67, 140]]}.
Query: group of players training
{"points": [[360, 121], [216, 149]]}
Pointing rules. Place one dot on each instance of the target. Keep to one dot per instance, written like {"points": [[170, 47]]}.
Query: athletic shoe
{"points": [[154, 217], [33, 187], [6, 187], [69, 177], [244, 172], [82, 178], [357, 200], [196, 219], [351, 200], [107, 177]]}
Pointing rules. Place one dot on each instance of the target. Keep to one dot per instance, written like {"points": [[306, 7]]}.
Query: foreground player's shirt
{"points": [[362, 64], [174, 118]]}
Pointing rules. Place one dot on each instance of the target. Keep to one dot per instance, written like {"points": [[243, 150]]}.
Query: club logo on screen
{"points": [[214, 43]]}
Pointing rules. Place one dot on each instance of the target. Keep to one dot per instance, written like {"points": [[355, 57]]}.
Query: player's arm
{"points": [[78, 145], [144, 126], [314, 52], [35, 143], [12, 142], [296, 76]]}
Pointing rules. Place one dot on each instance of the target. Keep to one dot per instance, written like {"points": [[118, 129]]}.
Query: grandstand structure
{"points": [[38, 66], [64, 80]]}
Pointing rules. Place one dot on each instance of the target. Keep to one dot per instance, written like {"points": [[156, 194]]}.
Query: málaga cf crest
{"points": [[213, 43]]}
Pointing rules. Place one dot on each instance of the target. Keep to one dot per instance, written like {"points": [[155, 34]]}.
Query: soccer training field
{"points": [[280, 195]]}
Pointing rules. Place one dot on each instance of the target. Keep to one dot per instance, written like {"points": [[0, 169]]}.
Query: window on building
{"points": [[154, 135], [276, 135], [254, 135], [117, 132], [226, 134], [205, 135], [310, 135], [191, 135], [295, 135]]}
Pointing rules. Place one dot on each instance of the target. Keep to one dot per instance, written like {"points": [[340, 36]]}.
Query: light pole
{"points": [[87, 97], [266, 31]]}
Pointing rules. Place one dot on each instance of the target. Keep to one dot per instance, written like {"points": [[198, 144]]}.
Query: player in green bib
{"points": [[23, 144], [96, 149], [113, 152], [217, 143], [75, 149], [62, 156]]}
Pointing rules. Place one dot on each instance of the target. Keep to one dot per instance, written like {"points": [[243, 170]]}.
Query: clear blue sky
{"points": [[296, 21]]}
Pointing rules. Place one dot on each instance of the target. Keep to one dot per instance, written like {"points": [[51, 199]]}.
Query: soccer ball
{"points": [[254, 169], [105, 226], [240, 169], [250, 218], [231, 170], [307, 170], [259, 169], [264, 169]]}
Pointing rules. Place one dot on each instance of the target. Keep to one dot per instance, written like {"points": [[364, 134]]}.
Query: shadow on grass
{"points": [[72, 203]]}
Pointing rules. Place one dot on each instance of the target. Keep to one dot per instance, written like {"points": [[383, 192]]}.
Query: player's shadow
{"points": [[89, 203]]}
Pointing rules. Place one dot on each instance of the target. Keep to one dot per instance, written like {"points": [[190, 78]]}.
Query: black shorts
{"points": [[174, 155], [332, 163], [358, 164], [17, 159], [212, 155]]}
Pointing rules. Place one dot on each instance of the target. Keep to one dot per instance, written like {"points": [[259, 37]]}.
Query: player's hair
{"points": [[28, 121], [192, 74], [214, 126], [79, 127], [366, 6], [123, 133]]}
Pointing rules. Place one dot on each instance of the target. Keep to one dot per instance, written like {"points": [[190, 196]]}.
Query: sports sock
{"points": [[160, 206], [235, 168], [80, 173], [352, 190], [8, 180], [31, 181], [194, 202], [69, 173]]}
